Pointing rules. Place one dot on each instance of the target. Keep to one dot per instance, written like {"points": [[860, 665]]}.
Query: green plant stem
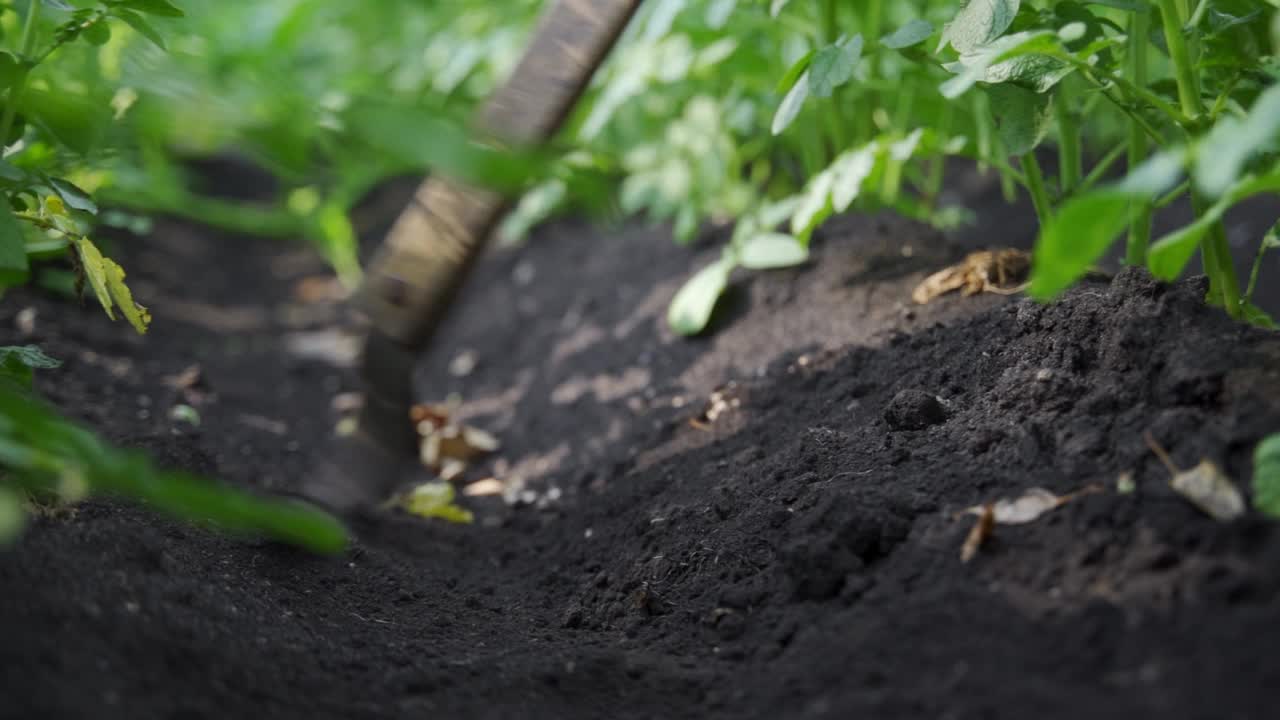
{"points": [[1094, 72], [1224, 286], [1139, 238], [1068, 142], [937, 167], [1215, 253], [982, 120], [1035, 185], [1265, 245], [1167, 199], [830, 28], [835, 118], [1198, 14], [1183, 68], [20, 83], [1100, 168], [225, 214], [811, 150], [873, 12], [891, 184]]}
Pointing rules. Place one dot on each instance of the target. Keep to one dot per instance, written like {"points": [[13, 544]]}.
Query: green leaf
{"points": [[10, 70], [137, 315], [903, 149], [73, 196], [849, 171], [1266, 476], [1129, 5], [1221, 155], [1023, 117], [1171, 253], [978, 23], [107, 280], [833, 65], [337, 239], [13, 518], [9, 174], [770, 250], [1255, 315], [815, 204], [775, 7], [686, 225], [46, 443], [793, 73], [91, 261], [913, 33], [421, 139], [18, 361], [435, 500], [1157, 175], [690, 309], [70, 117], [791, 104], [98, 33], [1075, 238], [14, 268], [997, 62], [140, 25], [162, 8]]}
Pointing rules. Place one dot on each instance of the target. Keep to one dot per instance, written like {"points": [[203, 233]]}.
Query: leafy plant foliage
{"points": [[54, 146]]}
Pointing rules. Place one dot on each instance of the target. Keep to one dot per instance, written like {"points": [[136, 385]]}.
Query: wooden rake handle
{"points": [[432, 246]]}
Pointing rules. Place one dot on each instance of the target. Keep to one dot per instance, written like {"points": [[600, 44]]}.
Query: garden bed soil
{"points": [[796, 556]]}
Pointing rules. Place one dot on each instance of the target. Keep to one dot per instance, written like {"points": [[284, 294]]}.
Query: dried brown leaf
{"points": [[1209, 489], [1028, 507], [1033, 503], [487, 486], [1204, 485], [188, 378]]}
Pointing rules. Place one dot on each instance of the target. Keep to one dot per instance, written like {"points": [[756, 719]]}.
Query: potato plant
{"points": [[53, 138], [716, 111], [1186, 96]]}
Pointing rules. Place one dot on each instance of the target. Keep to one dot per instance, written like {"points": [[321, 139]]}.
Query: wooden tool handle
{"points": [[434, 243]]}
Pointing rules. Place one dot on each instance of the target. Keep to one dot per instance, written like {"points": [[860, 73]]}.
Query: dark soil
{"points": [[797, 556]]}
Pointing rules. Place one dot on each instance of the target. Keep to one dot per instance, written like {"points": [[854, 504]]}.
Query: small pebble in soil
{"points": [[463, 364], [25, 321], [913, 409]]}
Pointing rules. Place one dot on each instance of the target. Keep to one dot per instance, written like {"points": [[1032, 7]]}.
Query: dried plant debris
{"points": [[1003, 271], [722, 400], [980, 531], [1204, 485], [190, 383], [486, 487], [447, 447], [1026, 508]]}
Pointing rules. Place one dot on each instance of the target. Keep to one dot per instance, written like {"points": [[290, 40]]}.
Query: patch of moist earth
{"points": [[798, 556]]}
